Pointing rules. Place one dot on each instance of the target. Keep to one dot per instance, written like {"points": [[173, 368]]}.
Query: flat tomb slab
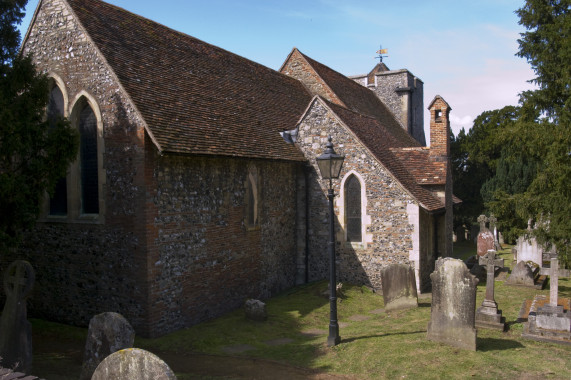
{"points": [[543, 324]]}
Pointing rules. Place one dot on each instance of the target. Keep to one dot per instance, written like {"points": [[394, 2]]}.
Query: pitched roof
{"points": [[426, 171], [195, 97], [362, 100], [379, 142]]}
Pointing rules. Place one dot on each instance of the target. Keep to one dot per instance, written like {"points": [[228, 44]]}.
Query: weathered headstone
{"points": [[133, 364], [488, 315], [15, 330], [485, 240], [399, 287], [452, 314], [107, 333], [521, 275], [528, 250], [255, 310]]}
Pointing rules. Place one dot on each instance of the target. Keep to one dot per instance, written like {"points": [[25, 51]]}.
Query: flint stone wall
{"points": [[88, 266], [204, 260], [170, 248], [385, 87], [389, 232]]}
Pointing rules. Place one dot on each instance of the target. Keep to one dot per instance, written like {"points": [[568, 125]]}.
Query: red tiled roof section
{"points": [[195, 97], [362, 100], [379, 141], [425, 171]]}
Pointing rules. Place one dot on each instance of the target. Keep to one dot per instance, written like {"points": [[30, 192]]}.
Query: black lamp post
{"points": [[330, 164]]}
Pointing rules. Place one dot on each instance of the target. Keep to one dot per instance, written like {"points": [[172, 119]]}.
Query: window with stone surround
{"points": [[353, 213], [78, 197], [252, 199]]}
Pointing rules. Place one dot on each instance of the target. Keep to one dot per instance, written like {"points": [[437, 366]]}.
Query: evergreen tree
{"points": [[475, 156], [543, 132], [34, 151]]}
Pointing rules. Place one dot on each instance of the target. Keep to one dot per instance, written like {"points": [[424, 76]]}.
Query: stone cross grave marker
{"points": [[15, 330], [488, 315], [554, 273]]}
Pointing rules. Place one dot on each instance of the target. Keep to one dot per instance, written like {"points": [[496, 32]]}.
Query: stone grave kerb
{"points": [[15, 330]]}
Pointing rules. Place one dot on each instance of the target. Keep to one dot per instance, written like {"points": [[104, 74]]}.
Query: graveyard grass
{"points": [[386, 345]]}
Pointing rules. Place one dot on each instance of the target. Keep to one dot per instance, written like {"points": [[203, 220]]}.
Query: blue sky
{"points": [[461, 50]]}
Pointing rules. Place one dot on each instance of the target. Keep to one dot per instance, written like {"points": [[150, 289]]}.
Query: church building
{"points": [[196, 185]]}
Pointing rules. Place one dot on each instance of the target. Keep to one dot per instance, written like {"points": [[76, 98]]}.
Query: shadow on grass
{"points": [[424, 304], [492, 344], [349, 340]]}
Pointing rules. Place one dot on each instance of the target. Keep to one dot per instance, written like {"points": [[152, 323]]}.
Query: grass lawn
{"points": [[375, 344]]}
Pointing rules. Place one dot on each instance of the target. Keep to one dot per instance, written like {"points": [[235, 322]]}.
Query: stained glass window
{"points": [[88, 161], [353, 208]]}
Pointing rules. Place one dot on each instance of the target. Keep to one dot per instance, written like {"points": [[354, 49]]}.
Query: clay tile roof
{"points": [[362, 100], [195, 97], [426, 171], [379, 141]]}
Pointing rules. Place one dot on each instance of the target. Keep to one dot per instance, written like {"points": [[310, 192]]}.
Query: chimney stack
{"points": [[439, 129]]}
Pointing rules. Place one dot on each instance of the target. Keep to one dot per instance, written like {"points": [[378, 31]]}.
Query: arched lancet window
{"points": [[58, 202], [353, 209], [87, 126], [252, 198]]}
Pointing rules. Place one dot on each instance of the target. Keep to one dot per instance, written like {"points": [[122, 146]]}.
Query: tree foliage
{"points": [[475, 156], [34, 151], [531, 178]]}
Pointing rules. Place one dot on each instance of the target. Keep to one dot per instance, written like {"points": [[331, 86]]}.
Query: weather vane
{"points": [[380, 52]]}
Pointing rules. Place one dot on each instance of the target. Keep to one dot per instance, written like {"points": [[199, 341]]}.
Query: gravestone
{"points": [[493, 229], [529, 250], [452, 314], [488, 315], [255, 310], [550, 321], [15, 330], [107, 333], [554, 273], [485, 240], [133, 364], [399, 287], [522, 275]]}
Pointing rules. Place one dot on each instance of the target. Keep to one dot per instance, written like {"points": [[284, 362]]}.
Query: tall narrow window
{"points": [[58, 202], [88, 161], [251, 214], [353, 209]]}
